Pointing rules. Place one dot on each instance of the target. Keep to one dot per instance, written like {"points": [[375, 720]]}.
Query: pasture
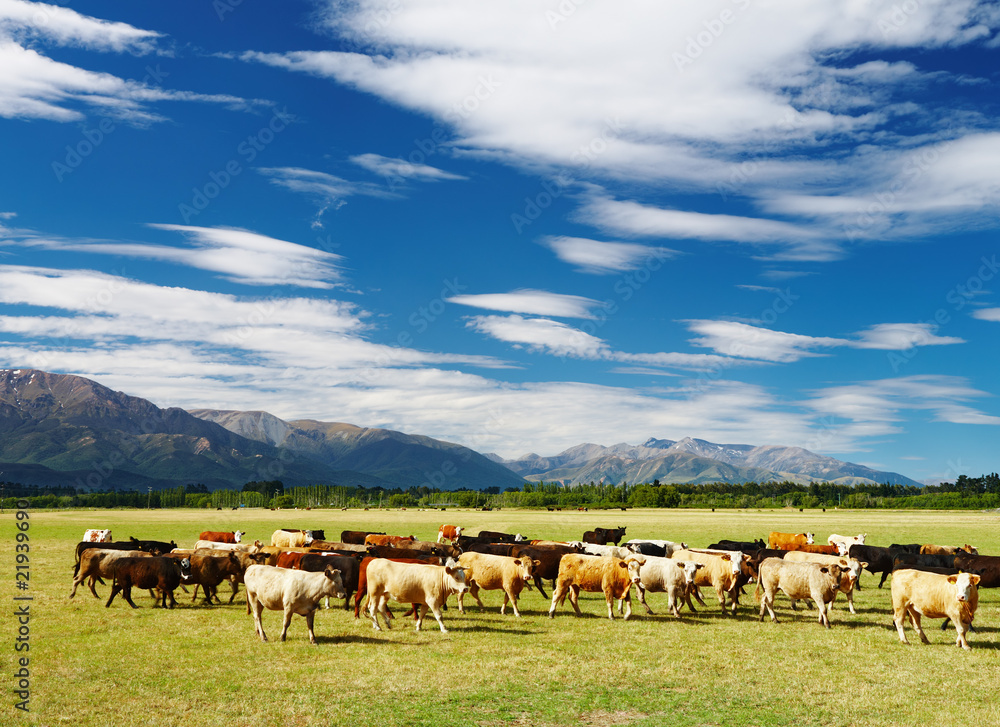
{"points": [[198, 665]]}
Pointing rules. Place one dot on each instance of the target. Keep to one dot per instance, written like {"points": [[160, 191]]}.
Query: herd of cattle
{"points": [[300, 568]]}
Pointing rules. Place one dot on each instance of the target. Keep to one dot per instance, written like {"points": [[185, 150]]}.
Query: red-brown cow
{"points": [[785, 541], [391, 540], [449, 532], [220, 537]]}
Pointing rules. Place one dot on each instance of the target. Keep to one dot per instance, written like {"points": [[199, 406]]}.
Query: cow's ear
{"points": [[517, 561], [824, 569], [537, 563], [974, 580], [622, 564], [953, 579]]}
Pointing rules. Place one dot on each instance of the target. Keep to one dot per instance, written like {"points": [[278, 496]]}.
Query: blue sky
{"points": [[520, 226]]}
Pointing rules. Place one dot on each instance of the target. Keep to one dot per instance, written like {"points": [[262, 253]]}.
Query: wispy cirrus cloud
{"points": [[604, 258], [532, 302], [241, 256], [401, 169]]}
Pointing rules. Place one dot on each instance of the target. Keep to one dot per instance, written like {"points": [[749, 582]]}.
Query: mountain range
{"points": [[60, 429], [693, 461]]}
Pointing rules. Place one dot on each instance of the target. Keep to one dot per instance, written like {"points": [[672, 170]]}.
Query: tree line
{"points": [[981, 493]]}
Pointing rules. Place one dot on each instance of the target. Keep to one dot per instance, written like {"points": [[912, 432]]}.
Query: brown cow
{"points": [[785, 541], [356, 537], [817, 549], [221, 537], [947, 549], [988, 566], [161, 573], [392, 540], [612, 576], [98, 563], [449, 532]]}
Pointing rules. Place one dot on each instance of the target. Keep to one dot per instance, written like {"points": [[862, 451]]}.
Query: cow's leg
{"points": [[373, 613], [628, 605], [258, 610], [574, 598], [885, 574], [309, 626], [850, 601], [688, 590], [76, 582], [419, 611], [962, 629], [767, 602], [437, 614], [115, 590], [195, 596], [287, 620], [915, 618], [513, 602], [127, 595], [236, 589], [642, 600], [610, 598], [899, 618], [93, 581], [384, 610], [697, 595], [538, 585], [721, 595]]}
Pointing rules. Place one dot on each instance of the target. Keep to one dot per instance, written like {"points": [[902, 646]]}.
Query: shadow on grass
{"points": [[351, 639]]}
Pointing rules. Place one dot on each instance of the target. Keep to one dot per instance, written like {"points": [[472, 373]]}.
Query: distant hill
{"points": [[59, 429], [400, 460], [693, 461]]}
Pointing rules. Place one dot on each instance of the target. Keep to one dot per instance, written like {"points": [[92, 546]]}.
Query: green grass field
{"points": [[196, 665]]}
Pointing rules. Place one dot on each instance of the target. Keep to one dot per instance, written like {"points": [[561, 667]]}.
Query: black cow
{"points": [[159, 572], [348, 565], [603, 536], [743, 545], [906, 548], [878, 558], [988, 567], [644, 548]]}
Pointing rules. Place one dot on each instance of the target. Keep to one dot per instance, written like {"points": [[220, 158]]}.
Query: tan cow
{"points": [[291, 538], [253, 547], [492, 572], [393, 541], [666, 575], [935, 596], [722, 571], [290, 591], [612, 576], [850, 571], [947, 549], [425, 586], [798, 581]]}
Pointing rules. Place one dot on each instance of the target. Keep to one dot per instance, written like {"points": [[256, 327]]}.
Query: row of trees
{"points": [[965, 493]]}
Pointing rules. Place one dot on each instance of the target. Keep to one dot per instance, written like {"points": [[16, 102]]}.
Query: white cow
{"points": [[665, 575], [844, 542], [425, 586], [97, 536], [291, 591], [606, 551]]}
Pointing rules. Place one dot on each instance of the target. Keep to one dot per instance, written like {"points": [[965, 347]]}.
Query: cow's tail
{"points": [[756, 592]]}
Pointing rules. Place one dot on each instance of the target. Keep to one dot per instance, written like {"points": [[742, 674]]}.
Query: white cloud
{"points": [[401, 169], [730, 338], [238, 255], [531, 302], [594, 256], [34, 86], [326, 189], [541, 335], [987, 314], [902, 336]]}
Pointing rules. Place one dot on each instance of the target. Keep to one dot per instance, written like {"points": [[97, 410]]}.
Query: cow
{"points": [[449, 532], [159, 572], [209, 569], [847, 540], [347, 564], [603, 536], [917, 594], [98, 563], [492, 572], [292, 538], [612, 576], [221, 537], [934, 560], [329, 545], [745, 546], [798, 581], [850, 571], [445, 549], [721, 572], [548, 557], [291, 591], [362, 590], [609, 551], [97, 536], [253, 547], [387, 551], [907, 547], [666, 575], [390, 540], [657, 548], [498, 537], [988, 566], [878, 558], [838, 550], [947, 549], [785, 541], [356, 537], [426, 586]]}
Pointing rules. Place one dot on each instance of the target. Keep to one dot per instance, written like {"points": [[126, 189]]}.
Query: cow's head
{"points": [[455, 577], [861, 538], [841, 548], [970, 549], [735, 563], [963, 583], [237, 535], [525, 566], [308, 537], [633, 565], [335, 582], [690, 568], [834, 571], [185, 566], [853, 570], [518, 538], [810, 538]]}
